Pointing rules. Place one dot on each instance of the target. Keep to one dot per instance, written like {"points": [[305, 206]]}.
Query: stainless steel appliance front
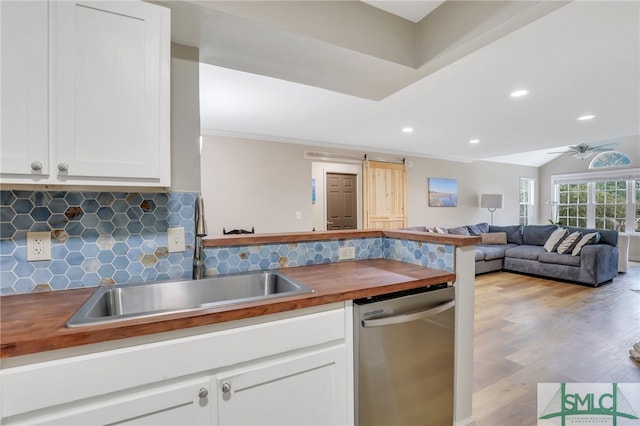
{"points": [[404, 346]]}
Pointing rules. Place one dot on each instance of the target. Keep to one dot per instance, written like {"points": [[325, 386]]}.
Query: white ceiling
{"points": [[411, 10], [581, 58]]}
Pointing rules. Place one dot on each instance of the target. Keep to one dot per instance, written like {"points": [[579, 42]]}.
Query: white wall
{"points": [[249, 183], [473, 179], [185, 119]]}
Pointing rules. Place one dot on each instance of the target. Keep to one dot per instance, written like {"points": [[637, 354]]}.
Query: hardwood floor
{"points": [[532, 330]]}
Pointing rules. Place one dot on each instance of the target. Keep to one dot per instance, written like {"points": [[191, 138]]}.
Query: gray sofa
{"points": [[524, 252]]}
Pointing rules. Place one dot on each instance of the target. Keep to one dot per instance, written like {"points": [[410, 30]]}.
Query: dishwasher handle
{"points": [[400, 319]]}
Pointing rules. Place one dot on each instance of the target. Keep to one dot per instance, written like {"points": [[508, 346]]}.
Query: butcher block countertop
{"points": [[293, 237], [32, 323]]}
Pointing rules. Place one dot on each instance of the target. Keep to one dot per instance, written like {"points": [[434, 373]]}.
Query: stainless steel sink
{"points": [[137, 300]]}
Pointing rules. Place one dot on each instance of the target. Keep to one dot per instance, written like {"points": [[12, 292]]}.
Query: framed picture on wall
{"points": [[443, 192]]}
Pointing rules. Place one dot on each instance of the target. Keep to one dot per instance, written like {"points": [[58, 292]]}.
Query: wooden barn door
{"points": [[385, 195]]}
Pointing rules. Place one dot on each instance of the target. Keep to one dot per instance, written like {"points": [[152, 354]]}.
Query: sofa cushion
{"points": [[524, 252], [480, 228], [555, 239], [537, 235], [494, 238], [569, 243], [491, 252], [459, 230], [559, 259], [514, 234], [586, 239]]}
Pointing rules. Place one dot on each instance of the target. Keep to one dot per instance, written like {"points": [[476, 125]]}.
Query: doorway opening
{"points": [[342, 201]]}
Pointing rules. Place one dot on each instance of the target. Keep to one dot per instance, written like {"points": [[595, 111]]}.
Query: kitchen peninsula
{"points": [[35, 343]]}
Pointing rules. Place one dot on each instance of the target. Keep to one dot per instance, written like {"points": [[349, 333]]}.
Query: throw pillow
{"points": [[460, 230], [494, 238], [480, 228], [440, 230], [568, 243], [591, 238], [554, 239]]}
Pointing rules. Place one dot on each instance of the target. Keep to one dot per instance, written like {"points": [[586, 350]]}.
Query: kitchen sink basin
{"points": [[137, 300]]}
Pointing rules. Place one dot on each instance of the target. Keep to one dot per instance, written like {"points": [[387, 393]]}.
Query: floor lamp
{"points": [[491, 202]]}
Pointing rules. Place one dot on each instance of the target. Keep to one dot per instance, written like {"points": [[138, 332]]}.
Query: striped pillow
{"points": [[568, 243], [555, 239], [592, 238]]}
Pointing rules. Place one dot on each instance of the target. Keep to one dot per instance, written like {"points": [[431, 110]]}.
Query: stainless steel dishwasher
{"points": [[404, 345]]}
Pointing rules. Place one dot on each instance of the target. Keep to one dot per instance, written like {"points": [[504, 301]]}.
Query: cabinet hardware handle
{"points": [[203, 393], [36, 165], [63, 167], [226, 387]]}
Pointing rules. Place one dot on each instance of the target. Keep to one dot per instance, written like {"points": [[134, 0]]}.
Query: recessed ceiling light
{"points": [[407, 130], [586, 117], [518, 93], [474, 141]]}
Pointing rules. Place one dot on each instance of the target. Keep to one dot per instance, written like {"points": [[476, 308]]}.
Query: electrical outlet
{"points": [[38, 246], [175, 239], [298, 215], [346, 253]]}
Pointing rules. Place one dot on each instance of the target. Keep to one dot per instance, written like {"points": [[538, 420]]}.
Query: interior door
{"points": [[342, 201], [385, 195]]}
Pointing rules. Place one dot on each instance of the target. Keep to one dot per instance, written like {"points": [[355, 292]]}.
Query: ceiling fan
{"points": [[583, 150]]}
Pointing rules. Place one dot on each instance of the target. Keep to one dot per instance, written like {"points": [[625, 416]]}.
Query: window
{"points": [[605, 200], [611, 205], [526, 201], [572, 204]]}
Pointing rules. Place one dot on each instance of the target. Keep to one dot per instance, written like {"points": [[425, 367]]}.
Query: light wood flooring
{"points": [[532, 330]]}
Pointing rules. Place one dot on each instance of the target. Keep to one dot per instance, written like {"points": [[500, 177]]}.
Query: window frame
{"points": [[531, 204], [590, 178]]}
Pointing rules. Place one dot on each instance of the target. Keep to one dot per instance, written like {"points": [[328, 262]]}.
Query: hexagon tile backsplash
{"points": [[106, 238], [97, 237]]}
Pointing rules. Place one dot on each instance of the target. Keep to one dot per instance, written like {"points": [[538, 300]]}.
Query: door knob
{"points": [[63, 167], [226, 387], [36, 165]]}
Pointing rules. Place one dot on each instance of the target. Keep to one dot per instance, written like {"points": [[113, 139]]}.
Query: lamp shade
{"points": [[491, 201]]}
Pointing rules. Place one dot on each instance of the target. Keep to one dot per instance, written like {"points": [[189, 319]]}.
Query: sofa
{"points": [[522, 249]]}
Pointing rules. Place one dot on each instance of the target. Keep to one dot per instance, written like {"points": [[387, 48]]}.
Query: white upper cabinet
{"points": [[109, 107], [24, 138]]}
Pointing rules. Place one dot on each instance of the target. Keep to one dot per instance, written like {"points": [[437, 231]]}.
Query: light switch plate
{"points": [[175, 239], [38, 246]]}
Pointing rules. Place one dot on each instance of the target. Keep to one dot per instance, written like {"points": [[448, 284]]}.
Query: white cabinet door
{"points": [[306, 389], [184, 403], [110, 65], [24, 140]]}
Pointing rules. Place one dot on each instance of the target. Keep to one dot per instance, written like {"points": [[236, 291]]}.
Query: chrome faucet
{"points": [[201, 231]]}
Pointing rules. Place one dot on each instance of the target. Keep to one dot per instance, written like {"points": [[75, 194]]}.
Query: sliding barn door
{"points": [[385, 195]]}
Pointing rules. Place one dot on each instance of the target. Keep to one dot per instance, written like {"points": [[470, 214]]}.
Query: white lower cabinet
{"points": [[308, 389], [285, 369]]}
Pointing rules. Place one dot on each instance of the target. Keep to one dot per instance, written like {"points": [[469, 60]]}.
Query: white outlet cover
{"points": [[38, 246], [175, 239]]}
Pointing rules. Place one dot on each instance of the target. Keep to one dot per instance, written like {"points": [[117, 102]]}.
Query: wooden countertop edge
{"points": [[63, 337], [293, 237]]}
